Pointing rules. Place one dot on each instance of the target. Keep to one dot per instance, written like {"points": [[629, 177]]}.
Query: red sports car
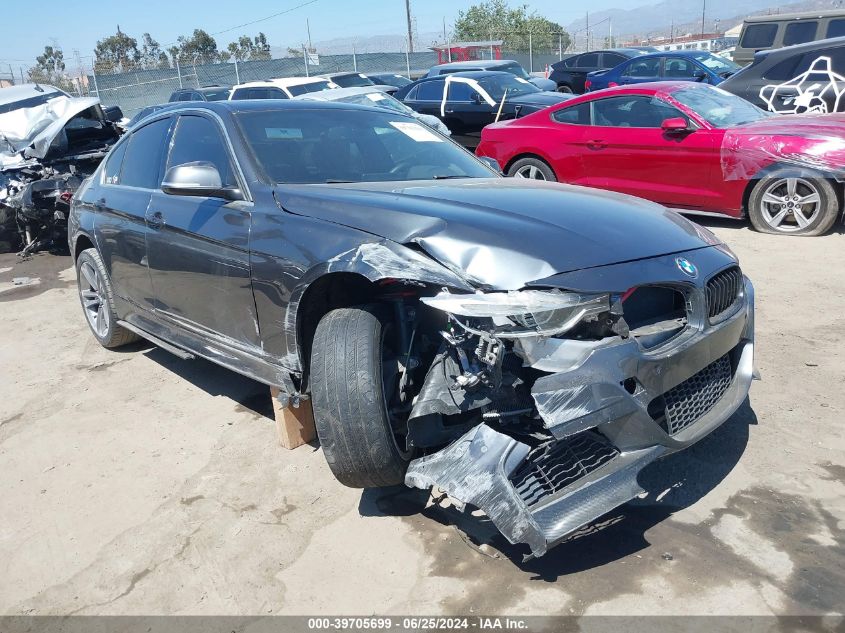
{"points": [[688, 146]]}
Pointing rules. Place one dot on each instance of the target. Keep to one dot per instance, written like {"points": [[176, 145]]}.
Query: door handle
{"points": [[449, 111], [155, 220], [597, 144], [100, 204]]}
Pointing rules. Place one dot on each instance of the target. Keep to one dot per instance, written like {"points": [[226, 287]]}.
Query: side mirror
{"points": [[197, 179], [476, 98], [675, 125], [491, 163], [113, 113], [699, 75]]}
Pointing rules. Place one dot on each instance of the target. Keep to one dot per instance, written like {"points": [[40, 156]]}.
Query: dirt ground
{"points": [[133, 482]]}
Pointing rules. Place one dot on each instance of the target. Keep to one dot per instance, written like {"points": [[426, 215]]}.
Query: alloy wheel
{"points": [[91, 291], [789, 205], [530, 171]]}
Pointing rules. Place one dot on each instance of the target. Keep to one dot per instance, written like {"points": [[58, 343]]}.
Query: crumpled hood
{"points": [[503, 232], [33, 130]]}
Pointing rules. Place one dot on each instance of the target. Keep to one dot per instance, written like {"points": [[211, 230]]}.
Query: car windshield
{"points": [[354, 80], [219, 94], [496, 85], [514, 69], [377, 99], [718, 107], [314, 86], [395, 80], [718, 65], [334, 145]]}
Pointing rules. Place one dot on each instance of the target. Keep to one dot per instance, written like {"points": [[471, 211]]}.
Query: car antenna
{"points": [[38, 87], [501, 105]]}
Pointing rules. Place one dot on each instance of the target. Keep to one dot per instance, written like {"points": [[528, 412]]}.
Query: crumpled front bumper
{"points": [[596, 404]]}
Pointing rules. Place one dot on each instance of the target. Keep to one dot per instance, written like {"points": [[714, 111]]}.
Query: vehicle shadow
{"points": [[737, 226], [671, 484], [213, 379]]}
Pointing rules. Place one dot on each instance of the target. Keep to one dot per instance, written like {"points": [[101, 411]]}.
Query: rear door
{"points": [[131, 173], [640, 70], [427, 97], [198, 247], [586, 63], [811, 84], [465, 110], [626, 150]]}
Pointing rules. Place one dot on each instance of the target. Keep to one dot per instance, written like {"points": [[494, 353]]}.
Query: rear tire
{"points": [[565, 89], [533, 169], [97, 299], [785, 203], [347, 392]]}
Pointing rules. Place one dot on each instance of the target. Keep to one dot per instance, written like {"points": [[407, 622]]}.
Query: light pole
{"points": [[410, 30], [703, 10]]}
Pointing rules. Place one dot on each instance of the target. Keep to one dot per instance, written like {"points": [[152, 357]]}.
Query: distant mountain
{"points": [[373, 44], [685, 15]]}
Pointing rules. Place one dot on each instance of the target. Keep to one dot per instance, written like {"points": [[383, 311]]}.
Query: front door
{"points": [[198, 247], [627, 151]]}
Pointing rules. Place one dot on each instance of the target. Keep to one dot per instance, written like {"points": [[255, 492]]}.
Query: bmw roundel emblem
{"points": [[687, 267]]}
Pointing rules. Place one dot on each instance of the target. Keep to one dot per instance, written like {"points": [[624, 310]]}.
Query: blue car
{"points": [[698, 66]]}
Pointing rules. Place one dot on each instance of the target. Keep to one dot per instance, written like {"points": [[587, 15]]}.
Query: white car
{"points": [[280, 88], [375, 96]]}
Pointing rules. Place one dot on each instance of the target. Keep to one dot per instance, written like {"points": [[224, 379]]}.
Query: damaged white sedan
{"points": [[527, 347]]}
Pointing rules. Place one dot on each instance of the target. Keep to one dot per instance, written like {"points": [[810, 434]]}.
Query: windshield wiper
{"points": [[333, 181], [448, 176]]}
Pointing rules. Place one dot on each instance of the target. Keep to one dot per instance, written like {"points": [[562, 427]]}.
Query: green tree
{"points": [[117, 52], [249, 49], [50, 69], [495, 19], [200, 48], [151, 54]]}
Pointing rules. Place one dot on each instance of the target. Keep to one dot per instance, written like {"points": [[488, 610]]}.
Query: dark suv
{"points": [[806, 78], [569, 74], [451, 327], [206, 93]]}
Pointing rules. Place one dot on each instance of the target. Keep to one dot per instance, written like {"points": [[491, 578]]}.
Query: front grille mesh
{"points": [[723, 291], [683, 405], [551, 467]]}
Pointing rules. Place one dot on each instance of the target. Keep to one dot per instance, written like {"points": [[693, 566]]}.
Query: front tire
{"points": [[348, 389], [97, 299], [787, 204], [533, 169]]}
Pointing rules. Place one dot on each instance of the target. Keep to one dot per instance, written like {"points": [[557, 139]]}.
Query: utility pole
{"points": [[610, 43], [410, 29], [703, 9], [308, 27], [588, 31]]}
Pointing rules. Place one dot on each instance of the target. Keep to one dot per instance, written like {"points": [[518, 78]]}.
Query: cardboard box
{"points": [[294, 425]]}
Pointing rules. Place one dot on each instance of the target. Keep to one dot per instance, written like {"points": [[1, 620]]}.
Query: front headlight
{"points": [[523, 312]]}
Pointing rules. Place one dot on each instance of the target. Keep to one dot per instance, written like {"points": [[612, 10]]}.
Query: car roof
{"points": [[262, 105], [334, 94], [808, 15], [280, 82], [477, 63], [26, 91], [469, 74]]}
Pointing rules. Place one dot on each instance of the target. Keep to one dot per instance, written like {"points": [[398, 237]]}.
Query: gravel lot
{"points": [[137, 483]]}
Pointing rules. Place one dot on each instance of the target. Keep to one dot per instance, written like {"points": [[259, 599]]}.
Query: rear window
{"points": [[590, 60], [216, 95], [113, 165], [315, 86], [800, 32], [835, 28], [782, 70], [574, 115], [430, 91], [758, 36]]}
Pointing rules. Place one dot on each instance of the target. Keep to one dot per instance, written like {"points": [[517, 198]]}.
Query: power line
{"points": [[269, 17]]}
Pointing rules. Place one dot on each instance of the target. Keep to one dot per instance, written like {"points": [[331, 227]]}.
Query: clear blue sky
{"points": [[77, 25]]}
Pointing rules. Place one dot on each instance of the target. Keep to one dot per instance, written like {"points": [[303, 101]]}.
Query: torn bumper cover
{"points": [[611, 407]]}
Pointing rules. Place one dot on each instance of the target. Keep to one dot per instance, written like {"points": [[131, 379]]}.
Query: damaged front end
{"points": [[550, 400], [46, 151]]}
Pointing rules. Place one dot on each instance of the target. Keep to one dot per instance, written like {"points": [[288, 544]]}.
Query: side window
{"points": [[240, 93], [758, 36], [459, 91], [837, 61], [588, 60], [782, 70], [196, 96], [276, 93], [430, 91], [800, 32], [198, 139], [636, 111], [572, 62], [142, 160], [412, 94], [643, 68], [679, 68], [185, 96], [111, 174], [574, 115], [611, 60], [835, 28]]}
